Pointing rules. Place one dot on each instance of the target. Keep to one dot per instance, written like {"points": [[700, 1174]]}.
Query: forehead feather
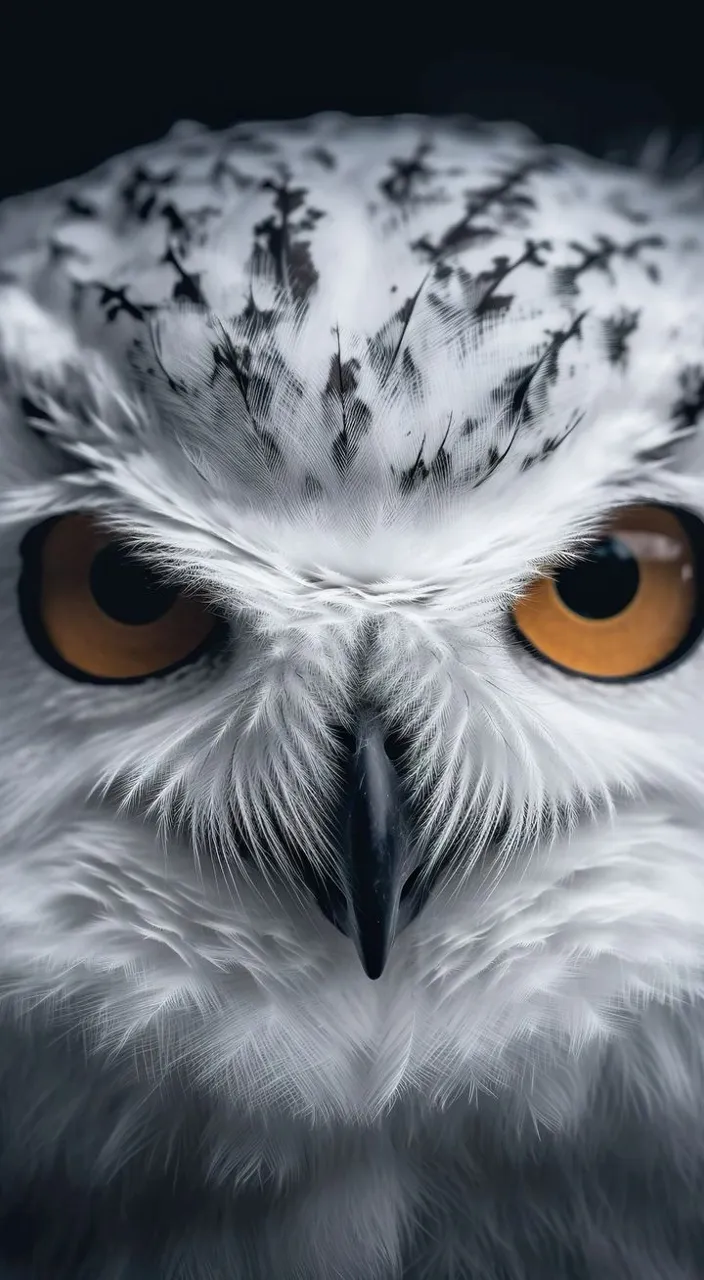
{"points": [[379, 307]]}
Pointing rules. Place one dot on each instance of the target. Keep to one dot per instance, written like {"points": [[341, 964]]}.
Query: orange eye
{"points": [[96, 612], [629, 608]]}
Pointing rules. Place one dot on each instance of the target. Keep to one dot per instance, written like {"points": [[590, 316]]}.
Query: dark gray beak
{"points": [[374, 901]]}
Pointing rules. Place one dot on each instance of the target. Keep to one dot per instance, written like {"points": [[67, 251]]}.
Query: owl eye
{"points": [[631, 607], [97, 613]]}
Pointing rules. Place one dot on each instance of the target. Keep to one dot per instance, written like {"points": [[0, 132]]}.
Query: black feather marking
{"points": [[407, 176], [272, 453], [440, 468], [600, 259], [686, 412], [141, 190], [617, 329], [341, 451], [174, 219], [323, 157], [77, 208], [184, 228], [404, 315], [438, 471], [412, 375], [58, 252], [517, 388], [187, 287], [689, 406], [33, 412], [223, 168], [253, 142], [356, 415], [442, 271], [491, 303], [278, 241], [446, 312], [311, 218], [312, 487], [552, 443], [508, 194], [115, 302], [408, 478], [494, 459], [558, 338], [236, 362], [469, 427], [458, 238]]}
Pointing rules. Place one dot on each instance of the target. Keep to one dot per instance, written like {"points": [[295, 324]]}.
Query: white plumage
{"points": [[358, 383]]}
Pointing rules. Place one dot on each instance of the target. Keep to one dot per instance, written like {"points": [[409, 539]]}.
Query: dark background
{"points": [[79, 84]]}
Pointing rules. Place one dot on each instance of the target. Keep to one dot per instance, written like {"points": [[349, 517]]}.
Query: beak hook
{"points": [[376, 847]]}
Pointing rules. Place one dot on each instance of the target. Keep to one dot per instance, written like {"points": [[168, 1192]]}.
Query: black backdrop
{"points": [[78, 84]]}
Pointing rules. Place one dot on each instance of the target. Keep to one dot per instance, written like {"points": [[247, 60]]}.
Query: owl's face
{"points": [[352, 572]]}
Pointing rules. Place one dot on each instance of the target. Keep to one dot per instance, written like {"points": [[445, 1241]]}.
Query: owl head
{"points": [[351, 588]]}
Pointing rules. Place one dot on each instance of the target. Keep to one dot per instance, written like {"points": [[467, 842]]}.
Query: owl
{"points": [[352, 785]]}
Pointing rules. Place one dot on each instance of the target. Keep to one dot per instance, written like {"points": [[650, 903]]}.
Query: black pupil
{"points": [[127, 590], [602, 584]]}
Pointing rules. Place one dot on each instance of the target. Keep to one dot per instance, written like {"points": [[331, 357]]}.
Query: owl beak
{"points": [[376, 852]]}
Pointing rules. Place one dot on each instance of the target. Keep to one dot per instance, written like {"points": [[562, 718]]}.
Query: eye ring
{"points": [[30, 595], [693, 535]]}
